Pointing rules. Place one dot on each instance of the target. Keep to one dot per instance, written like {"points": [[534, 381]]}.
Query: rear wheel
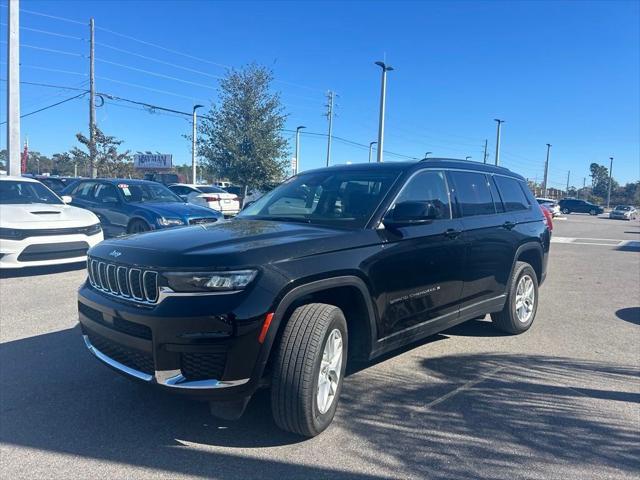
{"points": [[522, 302], [309, 368], [138, 226], [593, 212]]}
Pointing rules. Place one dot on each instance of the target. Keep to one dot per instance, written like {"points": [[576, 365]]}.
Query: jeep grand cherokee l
{"points": [[336, 264]]}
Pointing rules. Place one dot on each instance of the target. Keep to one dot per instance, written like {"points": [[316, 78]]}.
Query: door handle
{"points": [[508, 225], [452, 233]]}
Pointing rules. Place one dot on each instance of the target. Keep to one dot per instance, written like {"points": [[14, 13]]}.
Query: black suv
{"points": [[347, 262], [573, 205]]}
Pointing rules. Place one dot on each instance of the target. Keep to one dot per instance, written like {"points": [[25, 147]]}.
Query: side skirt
{"points": [[438, 324]]}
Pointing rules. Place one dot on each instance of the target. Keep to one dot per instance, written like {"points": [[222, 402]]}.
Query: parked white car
{"points": [[552, 205], [38, 228], [208, 196]]}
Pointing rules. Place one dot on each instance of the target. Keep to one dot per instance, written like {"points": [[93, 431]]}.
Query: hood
{"points": [[229, 244], [179, 210], [44, 215]]}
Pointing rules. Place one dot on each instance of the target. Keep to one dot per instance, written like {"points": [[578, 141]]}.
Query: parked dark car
{"points": [[55, 183], [337, 264], [164, 178], [135, 206], [573, 205]]}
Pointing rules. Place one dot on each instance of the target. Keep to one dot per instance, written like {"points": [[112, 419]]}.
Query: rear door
{"points": [[418, 274], [490, 246], [108, 206]]}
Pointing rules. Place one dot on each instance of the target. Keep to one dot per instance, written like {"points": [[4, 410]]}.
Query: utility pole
{"points": [[546, 172], [568, 176], [584, 186], [610, 179], [194, 123], [92, 101], [13, 89], [383, 93], [330, 96], [295, 170], [485, 151], [371, 144], [500, 122]]}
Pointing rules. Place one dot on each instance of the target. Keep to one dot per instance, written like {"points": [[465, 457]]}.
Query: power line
{"points": [[155, 74], [48, 32], [50, 50], [143, 87], [151, 59], [49, 106], [47, 69], [39, 14]]}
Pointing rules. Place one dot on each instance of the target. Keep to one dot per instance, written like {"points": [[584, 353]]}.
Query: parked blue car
{"points": [[134, 206]]}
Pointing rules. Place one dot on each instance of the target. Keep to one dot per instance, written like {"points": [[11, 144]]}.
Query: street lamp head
{"points": [[384, 66], [197, 106], [498, 120], [467, 157], [549, 145], [300, 127], [372, 143]]}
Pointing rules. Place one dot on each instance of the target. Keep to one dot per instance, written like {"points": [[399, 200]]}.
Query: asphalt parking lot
{"points": [[560, 401]]}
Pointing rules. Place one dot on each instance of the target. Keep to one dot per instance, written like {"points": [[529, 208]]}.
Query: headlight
{"points": [[93, 229], [169, 222], [11, 234], [209, 281]]}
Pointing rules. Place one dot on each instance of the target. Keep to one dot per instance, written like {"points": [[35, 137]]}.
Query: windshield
{"points": [[624, 208], [17, 192], [147, 192], [347, 198]]}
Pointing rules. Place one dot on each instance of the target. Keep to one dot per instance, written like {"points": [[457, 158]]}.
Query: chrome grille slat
{"points": [[133, 284]]}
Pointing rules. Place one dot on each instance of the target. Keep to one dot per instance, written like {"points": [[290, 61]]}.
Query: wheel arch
{"points": [[138, 218], [531, 253], [349, 293]]}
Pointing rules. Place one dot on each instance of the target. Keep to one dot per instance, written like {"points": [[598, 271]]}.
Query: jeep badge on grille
{"points": [[115, 253]]}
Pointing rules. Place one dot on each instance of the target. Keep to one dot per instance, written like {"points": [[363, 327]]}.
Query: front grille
{"points": [[21, 234], [53, 251], [125, 282], [132, 358], [204, 366], [198, 221]]}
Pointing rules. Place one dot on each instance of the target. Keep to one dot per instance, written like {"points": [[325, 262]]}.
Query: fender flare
{"points": [[299, 292], [523, 248]]}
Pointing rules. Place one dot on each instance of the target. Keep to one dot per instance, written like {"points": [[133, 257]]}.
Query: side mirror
{"points": [[411, 213], [66, 199], [248, 204]]}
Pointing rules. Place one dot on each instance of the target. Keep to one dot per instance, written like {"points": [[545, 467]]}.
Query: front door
{"points": [[418, 274]]}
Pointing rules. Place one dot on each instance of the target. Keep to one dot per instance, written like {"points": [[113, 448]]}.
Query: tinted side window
{"points": [[84, 190], [428, 186], [512, 194], [105, 192], [473, 193]]}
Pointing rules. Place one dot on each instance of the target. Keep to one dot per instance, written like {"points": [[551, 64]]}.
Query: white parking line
{"points": [[606, 242]]}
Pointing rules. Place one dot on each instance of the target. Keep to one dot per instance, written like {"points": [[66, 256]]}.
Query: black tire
{"points": [[565, 211], [507, 320], [138, 226], [593, 212], [297, 367]]}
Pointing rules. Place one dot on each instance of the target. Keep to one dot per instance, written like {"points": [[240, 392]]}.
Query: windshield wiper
{"points": [[284, 219]]}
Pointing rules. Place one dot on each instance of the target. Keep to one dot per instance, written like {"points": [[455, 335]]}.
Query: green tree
{"points": [[241, 138], [600, 180], [108, 162]]}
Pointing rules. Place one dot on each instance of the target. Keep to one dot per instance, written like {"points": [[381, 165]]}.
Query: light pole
{"points": [[193, 144], [610, 177], [295, 170], [500, 122], [371, 144], [426, 155], [546, 171], [467, 157], [383, 92]]}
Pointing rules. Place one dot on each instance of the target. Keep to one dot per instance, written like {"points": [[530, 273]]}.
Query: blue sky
{"points": [[565, 73]]}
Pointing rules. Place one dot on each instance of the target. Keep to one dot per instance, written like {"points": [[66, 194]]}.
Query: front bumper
{"points": [[46, 250], [193, 345]]}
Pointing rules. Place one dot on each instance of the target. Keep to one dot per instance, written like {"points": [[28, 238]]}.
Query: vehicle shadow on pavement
{"points": [[631, 315], [443, 417], [39, 271]]}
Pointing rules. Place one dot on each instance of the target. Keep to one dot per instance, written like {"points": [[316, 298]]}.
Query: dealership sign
{"points": [[160, 161]]}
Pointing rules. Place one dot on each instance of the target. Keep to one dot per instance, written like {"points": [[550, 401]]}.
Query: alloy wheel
{"points": [[525, 298], [330, 368]]}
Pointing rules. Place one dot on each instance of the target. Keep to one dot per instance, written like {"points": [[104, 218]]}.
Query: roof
{"points": [[18, 179], [452, 163], [128, 181]]}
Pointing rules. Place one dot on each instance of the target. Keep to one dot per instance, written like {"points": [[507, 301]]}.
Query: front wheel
{"points": [[522, 301], [566, 211], [138, 226], [308, 370]]}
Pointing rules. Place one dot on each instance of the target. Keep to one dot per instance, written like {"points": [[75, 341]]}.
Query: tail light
{"points": [[211, 198], [547, 218]]}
